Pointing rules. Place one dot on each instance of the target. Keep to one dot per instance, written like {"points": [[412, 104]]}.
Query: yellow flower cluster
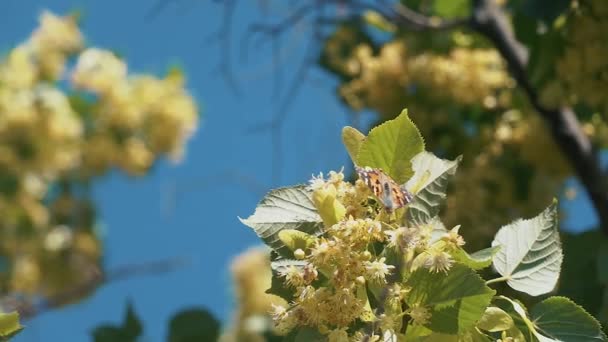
{"points": [[69, 113], [583, 68], [384, 81], [136, 118], [330, 284], [466, 76]]}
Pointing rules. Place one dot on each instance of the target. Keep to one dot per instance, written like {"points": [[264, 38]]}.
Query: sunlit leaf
{"points": [[431, 175], [284, 208], [456, 301], [352, 140], [531, 253], [391, 147]]}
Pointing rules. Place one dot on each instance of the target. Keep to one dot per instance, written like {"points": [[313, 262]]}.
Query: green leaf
{"points": [[284, 208], [193, 325], [495, 319], [456, 300], [431, 174], [391, 147], [561, 319], [352, 140], [9, 325], [452, 8], [531, 253], [129, 331], [478, 260], [524, 328]]}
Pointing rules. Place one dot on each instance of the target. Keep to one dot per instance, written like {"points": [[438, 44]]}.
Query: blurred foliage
{"points": [[69, 114], [189, 325]]}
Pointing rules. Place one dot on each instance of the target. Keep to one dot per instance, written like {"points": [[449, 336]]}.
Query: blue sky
{"points": [[190, 210]]}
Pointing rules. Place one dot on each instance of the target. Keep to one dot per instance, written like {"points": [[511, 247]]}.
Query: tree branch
{"points": [[490, 21]]}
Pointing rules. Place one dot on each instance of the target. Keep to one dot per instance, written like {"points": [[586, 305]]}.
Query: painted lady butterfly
{"points": [[385, 188]]}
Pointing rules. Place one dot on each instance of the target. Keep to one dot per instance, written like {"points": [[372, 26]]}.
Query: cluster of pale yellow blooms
{"points": [[345, 257], [465, 75], [69, 113], [583, 68]]}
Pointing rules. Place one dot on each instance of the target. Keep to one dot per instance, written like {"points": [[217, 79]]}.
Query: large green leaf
{"points": [[531, 254], [429, 184], [456, 300], [352, 139], [560, 319], [9, 325], [478, 260], [193, 325], [284, 208], [391, 147]]}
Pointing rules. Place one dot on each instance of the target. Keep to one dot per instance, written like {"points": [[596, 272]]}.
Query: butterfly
{"points": [[392, 195]]}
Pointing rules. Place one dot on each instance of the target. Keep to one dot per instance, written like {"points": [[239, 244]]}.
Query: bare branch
{"points": [[224, 36]]}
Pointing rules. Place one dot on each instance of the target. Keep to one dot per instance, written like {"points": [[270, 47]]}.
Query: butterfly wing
{"points": [[384, 188]]}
